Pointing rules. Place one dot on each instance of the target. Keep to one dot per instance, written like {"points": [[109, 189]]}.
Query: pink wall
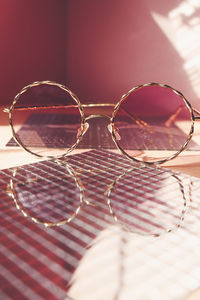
{"points": [[117, 44], [100, 49], [32, 35]]}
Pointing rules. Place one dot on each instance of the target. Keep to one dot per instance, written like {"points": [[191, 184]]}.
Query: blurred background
{"points": [[100, 49]]}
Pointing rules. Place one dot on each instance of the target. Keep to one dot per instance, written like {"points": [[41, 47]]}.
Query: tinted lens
{"points": [[46, 120], [152, 123]]}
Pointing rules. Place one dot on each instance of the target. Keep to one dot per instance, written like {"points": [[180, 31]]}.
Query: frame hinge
{"points": [[196, 114]]}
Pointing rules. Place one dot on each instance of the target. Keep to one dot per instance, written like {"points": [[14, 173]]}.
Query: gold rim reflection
{"points": [[20, 201], [144, 207]]}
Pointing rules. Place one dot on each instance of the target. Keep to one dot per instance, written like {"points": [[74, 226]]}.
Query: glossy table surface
{"points": [[94, 256]]}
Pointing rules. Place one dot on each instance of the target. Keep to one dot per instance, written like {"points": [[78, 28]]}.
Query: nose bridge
{"points": [[93, 116], [98, 110]]}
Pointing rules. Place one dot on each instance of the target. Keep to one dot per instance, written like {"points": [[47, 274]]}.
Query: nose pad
{"points": [[82, 132], [116, 132]]}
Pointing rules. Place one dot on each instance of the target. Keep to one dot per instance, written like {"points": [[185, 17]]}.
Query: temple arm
{"points": [[6, 109]]}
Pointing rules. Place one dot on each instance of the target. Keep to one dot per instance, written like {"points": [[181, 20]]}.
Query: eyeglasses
{"points": [[152, 123]]}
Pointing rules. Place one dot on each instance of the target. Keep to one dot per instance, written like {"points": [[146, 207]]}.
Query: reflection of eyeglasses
{"points": [[147, 200], [34, 193], [152, 123], [168, 210]]}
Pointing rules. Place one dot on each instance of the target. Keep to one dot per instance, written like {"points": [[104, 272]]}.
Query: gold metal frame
{"points": [[25, 89], [195, 115], [193, 118]]}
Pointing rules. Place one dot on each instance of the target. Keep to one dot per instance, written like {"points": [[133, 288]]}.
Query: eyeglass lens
{"points": [[51, 120], [152, 118]]}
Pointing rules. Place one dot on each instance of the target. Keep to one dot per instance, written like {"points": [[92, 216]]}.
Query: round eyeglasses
{"points": [[152, 123]]}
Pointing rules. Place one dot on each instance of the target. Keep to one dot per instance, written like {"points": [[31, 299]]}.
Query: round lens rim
{"points": [[67, 90], [155, 162]]}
